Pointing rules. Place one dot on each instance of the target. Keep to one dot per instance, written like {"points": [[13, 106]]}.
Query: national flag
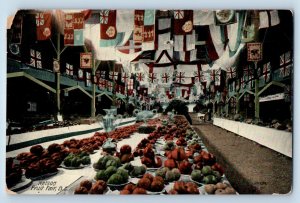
{"points": [[103, 74], [108, 24], [215, 76], [35, 58], [266, 72], [73, 30], [110, 86], [130, 84], [285, 65], [288, 93], [124, 77], [184, 42], [43, 25], [152, 77], [231, 72], [69, 69], [268, 18], [113, 75], [180, 77], [85, 60], [251, 81], [248, 71], [242, 82], [102, 84], [183, 22], [166, 77], [198, 76], [88, 79], [163, 34], [140, 77]]}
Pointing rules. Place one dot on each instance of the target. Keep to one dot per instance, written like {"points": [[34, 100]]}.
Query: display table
{"points": [[278, 140]]}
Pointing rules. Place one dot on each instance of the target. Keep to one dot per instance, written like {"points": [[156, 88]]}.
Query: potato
{"points": [[210, 188], [221, 186], [220, 192], [230, 190]]}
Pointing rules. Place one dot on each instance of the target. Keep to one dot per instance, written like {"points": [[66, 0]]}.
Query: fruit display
{"points": [[42, 167], [13, 173], [149, 159], [169, 175], [87, 187], [138, 171], [113, 175], [77, 160], [151, 183], [206, 175], [219, 189], [106, 161], [181, 187], [133, 189], [125, 154]]}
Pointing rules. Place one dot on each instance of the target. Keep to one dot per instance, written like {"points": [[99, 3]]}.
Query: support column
{"points": [[58, 77], [93, 101], [256, 100]]}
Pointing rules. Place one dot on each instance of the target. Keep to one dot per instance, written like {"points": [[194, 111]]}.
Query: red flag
{"points": [[108, 24], [43, 26], [183, 22]]}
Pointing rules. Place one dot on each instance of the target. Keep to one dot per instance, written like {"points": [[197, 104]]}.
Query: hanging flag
{"points": [[285, 65], [140, 77], [268, 19], [198, 76], [152, 78], [251, 81], [110, 86], [138, 26], [186, 56], [43, 25], [224, 17], [266, 70], [69, 69], [35, 58], [206, 50], [130, 84], [85, 60], [163, 34], [109, 37], [184, 42], [180, 78], [108, 24], [288, 93], [102, 84], [88, 79], [247, 71], [166, 77], [113, 75], [124, 77], [103, 74], [231, 72], [73, 30], [215, 76], [183, 22], [203, 17], [242, 82]]}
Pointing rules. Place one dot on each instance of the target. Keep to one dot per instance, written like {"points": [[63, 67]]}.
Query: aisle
{"points": [[250, 167]]}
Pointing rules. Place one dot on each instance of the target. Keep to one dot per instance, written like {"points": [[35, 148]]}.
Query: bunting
{"points": [[140, 77], [231, 72]]}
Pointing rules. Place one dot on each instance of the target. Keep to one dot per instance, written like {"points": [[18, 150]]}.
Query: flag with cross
{"points": [[231, 72], [125, 77], [266, 72], [152, 77], [180, 78], [165, 77], [285, 64], [69, 69], [113, 75], [35, 58], [140, 76]]}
